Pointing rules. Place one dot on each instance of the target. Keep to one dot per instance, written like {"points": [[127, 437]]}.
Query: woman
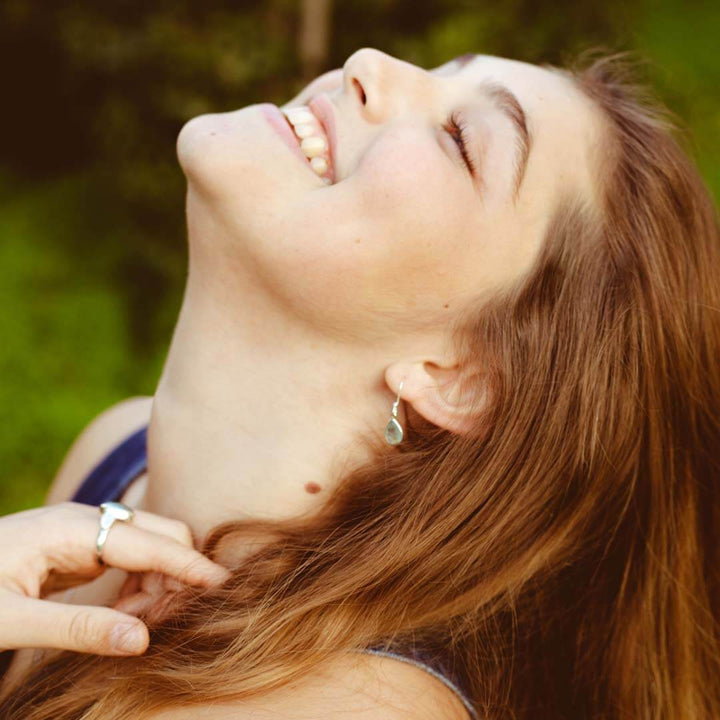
{"points": [[540, 294]]}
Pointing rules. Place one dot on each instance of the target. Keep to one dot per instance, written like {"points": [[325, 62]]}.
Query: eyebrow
{"points": [[506, 101]]}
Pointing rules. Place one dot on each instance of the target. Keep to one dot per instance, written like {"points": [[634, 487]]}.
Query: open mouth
{"points": [[304, 137], [312, 137]]}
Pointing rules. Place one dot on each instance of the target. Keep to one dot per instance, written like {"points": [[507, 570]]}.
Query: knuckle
{"points": [[56, 524], [65, 513], [83, 631]]}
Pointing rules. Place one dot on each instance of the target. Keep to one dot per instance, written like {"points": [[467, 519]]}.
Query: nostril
{"points": [[360, 90]]}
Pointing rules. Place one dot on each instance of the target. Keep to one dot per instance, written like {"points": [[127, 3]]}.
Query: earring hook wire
{"points": [[397, 402]]}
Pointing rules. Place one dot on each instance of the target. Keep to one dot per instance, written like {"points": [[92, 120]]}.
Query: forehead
{"points": [[565, 125]]}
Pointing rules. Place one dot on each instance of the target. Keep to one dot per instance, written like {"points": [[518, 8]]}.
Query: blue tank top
{"points": [[112, 476]]}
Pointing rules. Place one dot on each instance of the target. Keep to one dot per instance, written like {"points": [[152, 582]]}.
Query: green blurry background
{"points": [[92, 240]]}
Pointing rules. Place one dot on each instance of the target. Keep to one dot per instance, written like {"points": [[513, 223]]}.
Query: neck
{"points": [[256, 419]]}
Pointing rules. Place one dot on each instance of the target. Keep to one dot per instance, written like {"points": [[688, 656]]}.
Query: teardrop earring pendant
{"points": [[394, 430]]}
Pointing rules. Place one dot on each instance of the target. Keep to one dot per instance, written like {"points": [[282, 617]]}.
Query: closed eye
{"points": [[458, 130]]}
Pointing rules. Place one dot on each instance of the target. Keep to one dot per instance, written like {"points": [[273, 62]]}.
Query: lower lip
{"points": [[280, 125]]}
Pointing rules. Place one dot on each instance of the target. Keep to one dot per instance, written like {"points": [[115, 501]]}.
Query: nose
{"points": [[384, 86]]}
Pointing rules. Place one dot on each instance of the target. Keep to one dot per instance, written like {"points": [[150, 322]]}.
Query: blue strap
{"points": [[114, 473]]}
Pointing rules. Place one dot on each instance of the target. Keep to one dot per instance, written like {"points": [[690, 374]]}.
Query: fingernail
{"points": [[128, 638]]}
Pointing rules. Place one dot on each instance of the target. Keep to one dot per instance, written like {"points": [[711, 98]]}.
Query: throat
{"points": [[205, 470]]}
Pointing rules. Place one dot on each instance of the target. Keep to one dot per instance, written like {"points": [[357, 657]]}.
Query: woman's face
{"points": [[406, 232]]}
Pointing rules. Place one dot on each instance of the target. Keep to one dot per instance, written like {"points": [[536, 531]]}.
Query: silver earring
{"points": [[394, 430]]}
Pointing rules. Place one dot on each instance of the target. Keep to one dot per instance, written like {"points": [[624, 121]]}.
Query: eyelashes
{"points": [[458, 130]]}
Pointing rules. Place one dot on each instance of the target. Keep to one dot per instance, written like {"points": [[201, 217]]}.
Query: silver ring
{"points": [[109, 513]]}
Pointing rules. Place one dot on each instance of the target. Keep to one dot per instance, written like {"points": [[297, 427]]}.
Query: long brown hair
{"points": [[565, 556]]}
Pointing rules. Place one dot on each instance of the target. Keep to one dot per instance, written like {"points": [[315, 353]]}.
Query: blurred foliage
{"points": [[92, 251]]}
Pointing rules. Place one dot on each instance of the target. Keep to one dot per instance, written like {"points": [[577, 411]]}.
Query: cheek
{"points": [[408, 182], [393, 238], [421, 220]]}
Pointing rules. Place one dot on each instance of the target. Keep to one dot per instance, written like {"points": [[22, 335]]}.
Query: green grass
{"points": [[65, 351]]}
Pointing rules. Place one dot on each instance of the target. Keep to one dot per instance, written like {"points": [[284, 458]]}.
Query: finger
{"points": [[171, 584], [156, 596], [131, 585], [148, 542], [151, 586], [137, 598], [175, 529], [151, 608], [153, 583], [67, 516], [57, 582], [136, 550], [28, 622], [136, 604]]}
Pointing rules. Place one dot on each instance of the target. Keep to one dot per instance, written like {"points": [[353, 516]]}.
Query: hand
{"points": [[52, 547]]}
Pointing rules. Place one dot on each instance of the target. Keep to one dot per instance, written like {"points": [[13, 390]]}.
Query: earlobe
{"points": [[438, 392]]}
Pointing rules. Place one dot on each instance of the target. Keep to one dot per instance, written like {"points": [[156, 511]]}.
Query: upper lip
{"points": [[324, 111]]}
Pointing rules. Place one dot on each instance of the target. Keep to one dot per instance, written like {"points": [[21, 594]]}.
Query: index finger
{"points": [[136, 549]]}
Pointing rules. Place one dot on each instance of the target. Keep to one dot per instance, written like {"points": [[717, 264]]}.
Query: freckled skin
{"points": [[312, 487]]}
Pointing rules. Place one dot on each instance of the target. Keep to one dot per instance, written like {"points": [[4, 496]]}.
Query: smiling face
{"points": [[406, 232]]}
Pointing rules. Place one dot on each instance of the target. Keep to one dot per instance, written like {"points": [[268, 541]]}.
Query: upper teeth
{"points": [[313, 142]]}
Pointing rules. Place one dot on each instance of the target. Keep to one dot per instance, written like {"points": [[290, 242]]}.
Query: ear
{"points": [[438, 390]]}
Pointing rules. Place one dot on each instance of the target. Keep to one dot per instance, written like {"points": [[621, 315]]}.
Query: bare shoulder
{"points": [[99, 437], [358, 686], [384, 687]]}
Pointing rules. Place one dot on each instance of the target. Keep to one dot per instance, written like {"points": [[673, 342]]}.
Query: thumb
{"points": [[82, 628]]}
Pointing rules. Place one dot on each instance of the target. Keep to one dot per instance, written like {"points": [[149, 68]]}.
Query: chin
{"points": [[231, 156], [218, 149]]}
